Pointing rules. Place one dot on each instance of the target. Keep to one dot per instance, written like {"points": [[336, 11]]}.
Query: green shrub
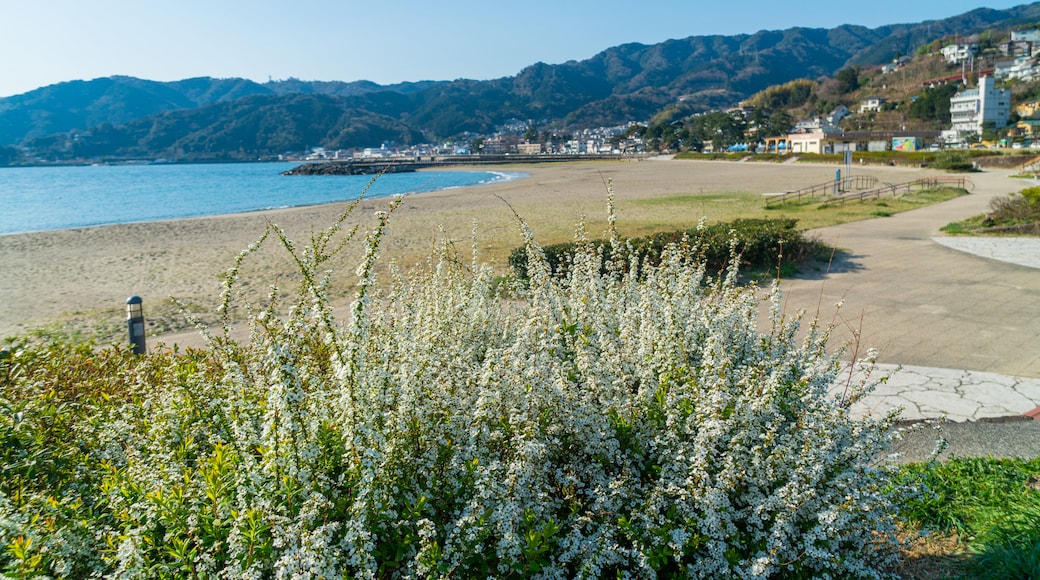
{"points": [[953, 160], [762, 244], [1031, 195], [596, 424]]}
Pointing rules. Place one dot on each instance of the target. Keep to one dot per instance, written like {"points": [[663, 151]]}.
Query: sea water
{"points": [[52, 198]]}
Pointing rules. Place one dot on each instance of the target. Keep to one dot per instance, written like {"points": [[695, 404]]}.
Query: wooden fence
{"points": [[860, 187], [891, 190], [830, 188]]}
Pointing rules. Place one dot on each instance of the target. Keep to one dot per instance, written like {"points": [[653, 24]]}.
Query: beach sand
{"points": [[75, 282]]}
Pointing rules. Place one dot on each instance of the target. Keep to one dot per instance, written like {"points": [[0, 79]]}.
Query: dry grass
{"points": [[931, 556]]}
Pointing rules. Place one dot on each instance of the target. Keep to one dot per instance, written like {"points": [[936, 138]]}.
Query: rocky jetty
{"points": [[407, 165], [354, 168]]}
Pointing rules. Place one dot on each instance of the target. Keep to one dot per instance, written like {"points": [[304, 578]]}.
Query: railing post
{"points": [[135, 323]]}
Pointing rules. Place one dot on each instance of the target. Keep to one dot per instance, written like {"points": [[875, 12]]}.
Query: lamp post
{"points": [[135, 323]]}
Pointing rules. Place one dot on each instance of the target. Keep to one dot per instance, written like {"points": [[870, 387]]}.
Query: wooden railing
{"points": [[904, 188], [831, 188]]}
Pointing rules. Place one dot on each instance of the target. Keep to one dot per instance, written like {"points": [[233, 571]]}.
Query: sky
{"points": [[51, 41]]}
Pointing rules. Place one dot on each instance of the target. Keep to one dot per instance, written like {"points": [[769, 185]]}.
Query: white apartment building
{"points": [[958, 53], [972, 109], [1031, 35]]}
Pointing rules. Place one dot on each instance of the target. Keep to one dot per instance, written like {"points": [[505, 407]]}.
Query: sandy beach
{"points": [[76, 281]]}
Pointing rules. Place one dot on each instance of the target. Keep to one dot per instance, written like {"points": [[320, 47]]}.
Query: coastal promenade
{"points": [[956, 321]]}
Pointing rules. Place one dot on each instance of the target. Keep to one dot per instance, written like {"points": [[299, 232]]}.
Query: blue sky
{"points": [[390, 41]]}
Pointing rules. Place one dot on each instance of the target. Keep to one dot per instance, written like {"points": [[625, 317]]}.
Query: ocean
{"points": [[54, 198]]}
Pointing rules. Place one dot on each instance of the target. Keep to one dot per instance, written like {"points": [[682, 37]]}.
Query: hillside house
{"points": [[1024, 68], [870, 104], [827, 123], [958, 53], [1028, 125], [1016, 48], [839, 113], [973, 109], [1028, 108], [1028, 35], [896, 64]]}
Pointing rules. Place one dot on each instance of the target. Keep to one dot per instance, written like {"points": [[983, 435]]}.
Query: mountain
{"points": [[81, 105], [205, 117], [243, 128]]}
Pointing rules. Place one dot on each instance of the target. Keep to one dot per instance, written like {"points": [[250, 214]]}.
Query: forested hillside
{"points": [[238, 118]]}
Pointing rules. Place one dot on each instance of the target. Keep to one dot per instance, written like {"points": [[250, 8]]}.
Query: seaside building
{"points": [[837, 141], [972, 110]]}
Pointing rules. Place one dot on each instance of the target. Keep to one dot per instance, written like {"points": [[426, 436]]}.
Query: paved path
{"points": [[956, 321], [925, 304], [958, 395]]}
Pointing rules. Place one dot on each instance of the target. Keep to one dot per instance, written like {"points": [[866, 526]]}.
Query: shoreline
{"points": [[494, 176], [81, 274]]}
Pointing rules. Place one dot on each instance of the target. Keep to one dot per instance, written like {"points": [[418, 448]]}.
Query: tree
{"points": [[772, 124], [719, 129], [989, 132], [934, 104], [848, 79]]}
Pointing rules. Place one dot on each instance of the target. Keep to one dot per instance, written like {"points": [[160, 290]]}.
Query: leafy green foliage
{"points": [[953, 160], [848, 79], [787, 95], [761, 244], [933, 104], [993, 503], [1017, 213]]}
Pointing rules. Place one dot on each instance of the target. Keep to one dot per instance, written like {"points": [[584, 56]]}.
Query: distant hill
{"points": [[82, 105], [205, 117]]}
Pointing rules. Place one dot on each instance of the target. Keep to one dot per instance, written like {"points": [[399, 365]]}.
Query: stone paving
{"points": [[1015, 250], [959, 395]]}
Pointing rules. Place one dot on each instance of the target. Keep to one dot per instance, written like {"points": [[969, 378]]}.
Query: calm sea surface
{"points": [[54, 198]]}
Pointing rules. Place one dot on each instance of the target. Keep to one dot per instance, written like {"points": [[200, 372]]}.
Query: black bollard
{"points": [[135, 323]]}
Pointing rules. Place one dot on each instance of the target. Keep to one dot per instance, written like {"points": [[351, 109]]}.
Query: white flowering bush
{"points": [[602, 424]]}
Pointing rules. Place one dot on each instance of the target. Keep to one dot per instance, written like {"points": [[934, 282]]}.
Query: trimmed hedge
{"points": [[758, 242]]}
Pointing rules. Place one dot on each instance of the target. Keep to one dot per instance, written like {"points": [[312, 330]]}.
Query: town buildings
{"points": [[974, 110]]}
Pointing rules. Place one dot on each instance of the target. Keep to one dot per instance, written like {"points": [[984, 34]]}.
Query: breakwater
{"points": [[410, 164]]}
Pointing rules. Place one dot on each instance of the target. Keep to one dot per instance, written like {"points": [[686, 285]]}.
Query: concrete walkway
{"points": [[956, 320], [925, 304]]}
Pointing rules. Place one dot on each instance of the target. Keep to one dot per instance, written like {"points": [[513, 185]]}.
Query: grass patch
{"points": [[810, 213], [1016, 214], [108, 325], [979, 518]]}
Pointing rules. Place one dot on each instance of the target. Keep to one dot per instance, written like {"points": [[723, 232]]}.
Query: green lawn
{"points": [[811, 214]]}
